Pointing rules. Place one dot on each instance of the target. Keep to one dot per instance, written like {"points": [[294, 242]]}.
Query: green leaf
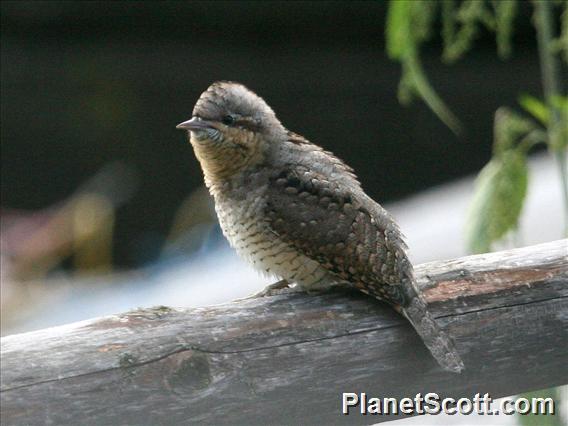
{"points": [[423, 19], [423, 88], [471, 15], [563, 39], [408, 25], [498, 200], [561, 103], [505, 12], [400, 42], [509, 127], [535, 107]]}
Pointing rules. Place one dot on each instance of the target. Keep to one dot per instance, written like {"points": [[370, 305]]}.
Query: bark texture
{"points": [[287, 359]]}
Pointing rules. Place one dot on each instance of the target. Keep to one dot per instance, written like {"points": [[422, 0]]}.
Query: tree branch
{"points": [[287, 359]]}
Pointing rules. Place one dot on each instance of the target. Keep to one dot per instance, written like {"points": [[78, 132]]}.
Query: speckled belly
{"points": [[243, 225]]}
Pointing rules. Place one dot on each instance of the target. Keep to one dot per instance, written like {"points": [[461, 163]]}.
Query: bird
{"points": [[296, 211]]}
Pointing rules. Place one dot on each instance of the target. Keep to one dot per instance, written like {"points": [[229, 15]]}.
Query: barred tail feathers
{"points": [[436, 340]]}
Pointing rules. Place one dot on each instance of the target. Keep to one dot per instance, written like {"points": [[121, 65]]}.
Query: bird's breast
{"points": [[241, 213]]}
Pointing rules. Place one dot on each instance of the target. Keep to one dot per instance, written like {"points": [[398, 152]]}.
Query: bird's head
{"points": [[230, 129]]}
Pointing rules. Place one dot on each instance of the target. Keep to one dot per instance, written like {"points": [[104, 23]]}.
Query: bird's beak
{"points": [[195, 123]]}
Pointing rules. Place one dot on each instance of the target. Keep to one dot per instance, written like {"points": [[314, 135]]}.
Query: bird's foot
{"points": [[277, 288]]}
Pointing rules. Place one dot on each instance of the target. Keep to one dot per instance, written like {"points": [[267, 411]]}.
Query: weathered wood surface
{"points": [[287, 359]]}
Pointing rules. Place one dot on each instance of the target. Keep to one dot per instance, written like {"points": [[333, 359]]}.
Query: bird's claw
{"points": [[277, 288]]}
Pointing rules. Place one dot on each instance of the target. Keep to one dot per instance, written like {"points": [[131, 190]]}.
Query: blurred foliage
{"points": [[535, 107], [541, 112], [502, 184], [462, 25], [561, 45], [407, 28], [409, 25]]}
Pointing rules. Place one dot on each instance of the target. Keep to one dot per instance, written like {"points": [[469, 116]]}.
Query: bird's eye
{"points": [[228, 120]]}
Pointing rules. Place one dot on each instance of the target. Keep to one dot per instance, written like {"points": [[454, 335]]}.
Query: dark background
{"points": [[86, 83]]}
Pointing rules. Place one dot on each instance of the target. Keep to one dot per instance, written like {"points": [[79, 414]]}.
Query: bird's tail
{"points": [[436, 340]]}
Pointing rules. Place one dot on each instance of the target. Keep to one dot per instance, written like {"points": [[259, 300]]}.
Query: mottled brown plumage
{"points": [[297, 212]]}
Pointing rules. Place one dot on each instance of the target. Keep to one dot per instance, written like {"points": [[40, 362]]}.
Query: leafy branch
{"points": [[408, 27], [502, 184], [557, 124]]}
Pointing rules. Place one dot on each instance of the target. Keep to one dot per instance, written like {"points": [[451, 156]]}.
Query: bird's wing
{"points": [[341, 228]]}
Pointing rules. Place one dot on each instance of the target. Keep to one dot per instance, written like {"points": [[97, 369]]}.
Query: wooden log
{"points": [[287, 359]]}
